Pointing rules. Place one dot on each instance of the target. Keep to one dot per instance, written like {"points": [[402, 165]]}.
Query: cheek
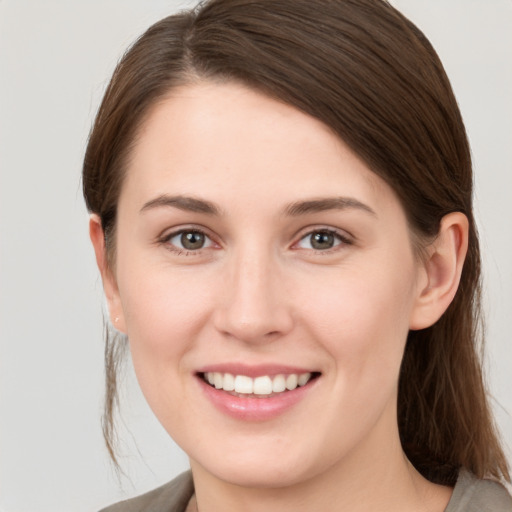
{"points": [[165, 310], [362, 318]]}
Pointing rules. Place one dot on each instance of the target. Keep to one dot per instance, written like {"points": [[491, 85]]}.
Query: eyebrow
{"points": [[185, 203], [328, 203], [192, 204]]}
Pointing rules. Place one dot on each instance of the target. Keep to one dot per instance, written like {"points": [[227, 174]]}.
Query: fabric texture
{"points": [[473, 495], [469, 495], [171, 497]]}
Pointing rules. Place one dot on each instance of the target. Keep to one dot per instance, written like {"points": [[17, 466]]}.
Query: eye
{"points": [[322, 240], [189, 240]]}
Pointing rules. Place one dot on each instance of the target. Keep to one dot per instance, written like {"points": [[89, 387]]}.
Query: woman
{"points": [[281, 213]]}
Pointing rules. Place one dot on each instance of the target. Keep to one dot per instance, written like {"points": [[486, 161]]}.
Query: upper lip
{"points": [[254, 370]]}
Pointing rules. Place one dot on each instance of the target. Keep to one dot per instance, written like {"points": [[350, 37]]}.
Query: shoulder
{"points": [[474, 495], [171, 497]]}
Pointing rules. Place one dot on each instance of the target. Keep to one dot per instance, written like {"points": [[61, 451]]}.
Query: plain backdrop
{"points": [[55, 61]]}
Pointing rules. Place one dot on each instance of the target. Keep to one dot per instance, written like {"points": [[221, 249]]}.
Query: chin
{"points": [[265, 468], [251, 475]]}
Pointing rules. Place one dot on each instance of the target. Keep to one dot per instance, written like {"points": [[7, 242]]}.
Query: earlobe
{"points": [[443, 269], [110, 288]]}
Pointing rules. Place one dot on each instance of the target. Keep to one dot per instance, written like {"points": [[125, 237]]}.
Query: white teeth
{"points": [[304, 378], [218, 380], [291, 381], [264, 385], [278, 384], [229, 382], [243, 384]]}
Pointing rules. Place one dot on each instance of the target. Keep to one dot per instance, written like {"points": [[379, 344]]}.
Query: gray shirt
{"points": [[473, 495], [469, 495]]}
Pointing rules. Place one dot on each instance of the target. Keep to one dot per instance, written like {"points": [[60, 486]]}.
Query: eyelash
{"points": [[342, 239], [166, 241]]}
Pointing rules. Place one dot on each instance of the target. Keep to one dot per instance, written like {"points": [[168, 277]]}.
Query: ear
{"points": [[441, 271], [107, 276]]}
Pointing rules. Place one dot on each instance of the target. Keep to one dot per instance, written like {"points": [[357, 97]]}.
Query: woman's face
{"points": [[254, 249]]}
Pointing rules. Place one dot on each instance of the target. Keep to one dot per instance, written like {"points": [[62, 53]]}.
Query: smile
{"points": [[262, 386], [256, 393]]}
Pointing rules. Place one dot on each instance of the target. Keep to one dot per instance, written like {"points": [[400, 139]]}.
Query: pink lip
{"points": [[252, 408], [253, 370]]}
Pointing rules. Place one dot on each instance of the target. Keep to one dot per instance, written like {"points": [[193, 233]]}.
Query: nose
{"points": [[255, 305]]}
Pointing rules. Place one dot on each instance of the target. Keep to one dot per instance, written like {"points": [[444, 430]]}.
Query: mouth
{"points": [[256, 393], [262, 386]]}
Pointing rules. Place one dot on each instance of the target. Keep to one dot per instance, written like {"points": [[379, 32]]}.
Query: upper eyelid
{"points": [[303, 232], [345, 240], [169, 233]]}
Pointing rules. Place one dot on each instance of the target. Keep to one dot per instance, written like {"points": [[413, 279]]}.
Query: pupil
{"points": [[192, 240], [322, 240]]}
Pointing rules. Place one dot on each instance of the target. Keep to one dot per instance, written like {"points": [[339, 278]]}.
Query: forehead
{"points": [[226, 139]]}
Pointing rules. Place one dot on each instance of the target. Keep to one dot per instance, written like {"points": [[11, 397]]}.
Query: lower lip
{"points": [[251, 408]]}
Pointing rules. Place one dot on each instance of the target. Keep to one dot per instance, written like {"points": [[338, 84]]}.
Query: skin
{"points": [[259, 293]]}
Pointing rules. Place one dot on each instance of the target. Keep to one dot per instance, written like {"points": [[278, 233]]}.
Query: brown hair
{"points": [[370, 75]]}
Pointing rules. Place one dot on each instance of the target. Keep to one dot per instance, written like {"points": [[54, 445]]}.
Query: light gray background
{"points": [[55, 60]]}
